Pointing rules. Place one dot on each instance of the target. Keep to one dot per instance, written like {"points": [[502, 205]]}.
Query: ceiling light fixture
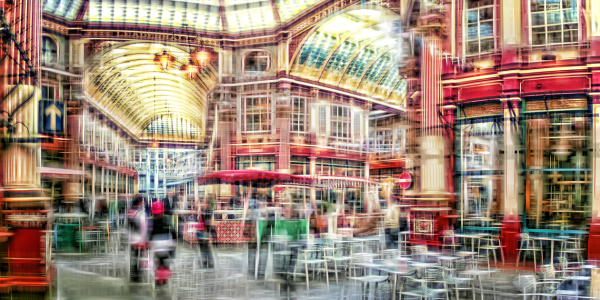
{"points": [[164, 60]]}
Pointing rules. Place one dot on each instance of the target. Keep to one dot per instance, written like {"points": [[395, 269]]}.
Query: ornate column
{"points": [[432, 140]]}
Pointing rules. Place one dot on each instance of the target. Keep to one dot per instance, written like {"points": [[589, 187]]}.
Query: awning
{"points": [[59, 171], [254, 177]]}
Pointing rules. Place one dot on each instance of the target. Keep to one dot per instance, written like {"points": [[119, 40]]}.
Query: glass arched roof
{"points": [[358, 50], [149, 103], [204, 15]]}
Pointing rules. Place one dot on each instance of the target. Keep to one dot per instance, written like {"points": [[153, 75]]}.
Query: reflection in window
{"points": [[49, 50], [257, 114], [256, 61], [479, 36], [554, 22]]}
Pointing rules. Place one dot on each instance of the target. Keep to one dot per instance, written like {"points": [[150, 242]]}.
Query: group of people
{"points": [[150, 229]]}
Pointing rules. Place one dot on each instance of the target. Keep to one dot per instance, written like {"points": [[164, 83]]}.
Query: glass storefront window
{"points": [[481, 168], [558, 171]]}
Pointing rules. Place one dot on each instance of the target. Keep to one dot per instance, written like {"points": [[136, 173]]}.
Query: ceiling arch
{"points": [[125, 83], [358, 49], [232, 16]]}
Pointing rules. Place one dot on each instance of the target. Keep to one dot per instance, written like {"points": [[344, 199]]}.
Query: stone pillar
{"points": [[510, 14], [432, 143], [510, 204], [594, 235], [592, 16]]}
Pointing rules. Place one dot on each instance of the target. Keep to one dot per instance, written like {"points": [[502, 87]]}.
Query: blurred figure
{"points": [[203, 237], [367, 228], [162, 241], [138, 229]]}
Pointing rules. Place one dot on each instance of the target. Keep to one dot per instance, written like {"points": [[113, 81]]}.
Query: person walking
{"points": [[138, 228], [161, 241]]}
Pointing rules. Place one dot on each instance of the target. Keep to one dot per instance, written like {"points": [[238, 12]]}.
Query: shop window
{"points": [[257, 114], [299, 114], [557, 171], [49, 50], [481, 170], [554, 22], [340, 122], [256, 62], [479, 27], [256, 162]]}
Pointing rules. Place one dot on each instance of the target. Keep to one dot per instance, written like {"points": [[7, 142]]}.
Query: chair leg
{"points": [[336, 271], [518, 257]]}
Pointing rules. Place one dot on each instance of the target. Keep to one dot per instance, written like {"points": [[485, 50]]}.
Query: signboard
{"points": [[405, 180], [52, 117]]}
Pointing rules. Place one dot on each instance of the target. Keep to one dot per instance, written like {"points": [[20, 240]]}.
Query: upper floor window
{"points": [[554, 22], [49, 50], [257, 114], [256, 62], [48, 92], [299, 115], [340, 122], [479, 27]]}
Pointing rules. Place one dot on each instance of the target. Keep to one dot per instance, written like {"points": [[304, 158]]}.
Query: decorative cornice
{"points": [[55, 27]]}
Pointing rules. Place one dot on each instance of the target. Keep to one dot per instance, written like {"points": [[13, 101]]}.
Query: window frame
{"points": [[49, 88], [465, 28], [42, 54], [561, 24], [250, 52], [302, 115], [267, 112], [335, 119]]}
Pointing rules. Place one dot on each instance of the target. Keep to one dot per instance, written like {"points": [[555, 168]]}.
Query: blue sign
{"points": [[52, 117]]}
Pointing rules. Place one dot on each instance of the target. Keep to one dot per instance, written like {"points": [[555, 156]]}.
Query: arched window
{"points": [[256, 62], [49, 50]]}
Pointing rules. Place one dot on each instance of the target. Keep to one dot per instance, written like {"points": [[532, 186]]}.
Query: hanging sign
{"points": [[405, 180], [52, 117]]}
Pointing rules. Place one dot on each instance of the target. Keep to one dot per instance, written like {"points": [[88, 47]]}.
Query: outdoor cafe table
{"points": [[362, 241], [552, 240], [472, 236], [478, 273], [392, 269]]}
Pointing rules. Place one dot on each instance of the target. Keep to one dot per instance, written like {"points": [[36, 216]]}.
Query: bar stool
{"points": [[528, 244]]}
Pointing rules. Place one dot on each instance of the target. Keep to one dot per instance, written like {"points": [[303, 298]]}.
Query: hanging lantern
{"points": [[201, 57], [164, 60], [190, 70]]}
